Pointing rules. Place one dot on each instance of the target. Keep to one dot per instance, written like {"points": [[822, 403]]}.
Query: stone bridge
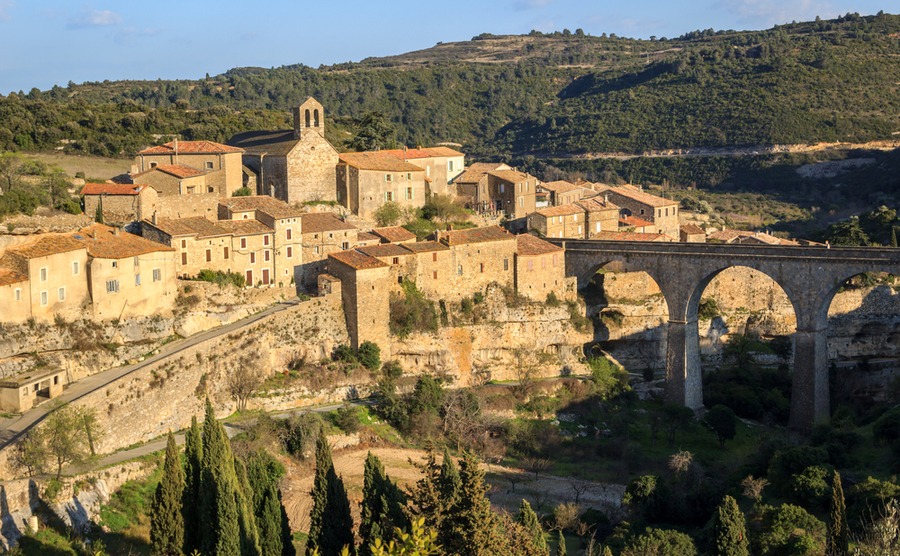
{"points": [[810, 276]]}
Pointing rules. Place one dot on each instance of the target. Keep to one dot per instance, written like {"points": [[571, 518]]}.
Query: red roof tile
{"points": [[316, 222], [378, 161], [630, 236], [355, 259], [244, 227], [692, 229], [262, 203], [10, 276], [425, 246], [475, 235], [394, 234], [529, 245], [102, 242], [112, 189], [636, 194], [385, 250], [424, 152], [46, 246], [192, 147], [635, 221]]}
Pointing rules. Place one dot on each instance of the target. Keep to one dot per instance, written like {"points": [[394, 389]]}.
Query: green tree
{"points": [[166, 519], [388, 214], [68, 433], [529, 520], [560, 543], [838, 534], [190, 509], [382, 506], [263, 473], [420, 541], [369, 355], [426, 494], [220, 514], [660, 542], [722, 421], [331, 526], [848, 233], [374, 131], [729, 530], [471, 524]]}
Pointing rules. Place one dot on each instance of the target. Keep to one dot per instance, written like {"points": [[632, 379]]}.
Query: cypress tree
{"points": [[331, 526], [382, 506], [193, 451], [426, 496], [529, 520], [220, 520], [838, 534], [471, 526], [166, 520], [243, 499], [730, 530], [449, 482], [893, 236], [262, 474], [287, 538], [560, 544]]}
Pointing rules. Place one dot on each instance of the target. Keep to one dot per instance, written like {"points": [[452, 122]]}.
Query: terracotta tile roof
{"points": [[192, 147], [366, 237], [527, 245], [596, 204], [112, 189], [425, 246], [102, 242], [477, 170], [194, 225], [630, 236], [316, 222], [741, 236], [636, 194], [394, 234], [180, 171], [634, 221], [424, 152], [378, 161], [561, 210], [357, 260], [692, 229], [385, 250], [510, 176], [560, 186], [262, 203], [10, 276], [47, 245], [475, 235], [244, 227]]}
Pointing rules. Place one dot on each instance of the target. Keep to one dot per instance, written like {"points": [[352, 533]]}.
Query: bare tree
{"points": [[680, 462], [461, 417], [536, 465], [244, 380], [579, 488], [753, 487]]}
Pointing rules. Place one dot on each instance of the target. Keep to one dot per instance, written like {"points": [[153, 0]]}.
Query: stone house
{"points": [[285, 224], [472, 186], [394, 234], [562, 192], [45, 278], [219, 165], [119, 203], [692, 233], [663, 213], [127, 275], [323, 233], [540, 268], [512, 193], [24, 391], [441, 164], [478, 257], [635, 224], [364, 239], [366, 303], [579, 220], [367, 180], [296, 165]]}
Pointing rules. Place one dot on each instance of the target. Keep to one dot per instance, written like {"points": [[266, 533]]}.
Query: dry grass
{"points": [[93, 166]]}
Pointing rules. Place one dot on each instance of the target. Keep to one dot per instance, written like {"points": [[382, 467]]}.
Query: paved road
{"points": [[12, 429]]}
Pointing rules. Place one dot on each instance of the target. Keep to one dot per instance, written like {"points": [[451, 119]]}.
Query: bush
{"points": [[347, 418], [790, 530], [552, 300], [412, 312], [886, 429], [242, 192], [810, 487], [579, 321], [793, 461], [344, 353], [708, 309], [388, 214], [609, 378], [369, 355], [222, 279], [722, 422], [661, 542]]}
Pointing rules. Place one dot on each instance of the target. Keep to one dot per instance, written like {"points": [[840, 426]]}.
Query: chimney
{"points": [[404, 153], [606, 198], [153, 218], [176, 149], [115, 231]]}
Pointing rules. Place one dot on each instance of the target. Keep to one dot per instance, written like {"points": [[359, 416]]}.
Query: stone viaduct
{"points": [[810, 276]]}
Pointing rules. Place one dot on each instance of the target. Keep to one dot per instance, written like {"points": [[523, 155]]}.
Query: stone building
{"points": [[44, 278], [24, 391], [441, 164], [119, 203], [562, 192], [478, 257], [663, 213], [323, 233], [127, 275], [579, 220], [540, 268], [366, 303], [472, 186], [295, 165], [194, 167], [635, 224], [692, 233], [394, 234], [367, 180]]}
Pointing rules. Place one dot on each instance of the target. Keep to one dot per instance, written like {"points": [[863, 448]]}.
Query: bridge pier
{"points": [[810, 402], [684, 384]]}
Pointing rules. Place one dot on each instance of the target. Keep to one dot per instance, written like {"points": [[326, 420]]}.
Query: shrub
{"points": [[369, 355], [242, 192], [347, 418], [708, 309], [552, 300], [579, 321], [886, 429], [388, 214], [344, 353], [792, 461], [411, 311], [609, 378], [810, 487], [790, 530], [722, 422], [661, 542], [222, 279]]}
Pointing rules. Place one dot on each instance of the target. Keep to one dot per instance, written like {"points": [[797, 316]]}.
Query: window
{"points": [[598, 227], [345, 245], [210, 189], [459, 270], [112, 286], [530, 265], [243, 243], [191, 189], [554, 259], [137, 279], [152, 165], [502, 188], [265, 240], [157, 275], [482, 268], [183, 243], [115, 264], [137, 261], [252, 258], [505, 264], [388, 177], [208, 255], [521, 201], [183, 259], [450, 165], [642, 211], [43, 275], [434, 275], [288, 233], [209, 165], [388, 196], [409, 176], [395, 260], [316, 249], [330, 235], [266, 255], [434, 257], [409, 193], [18, 294], [61, 294], [225, 252], [290, 252], [574, 218], [75, 269]]}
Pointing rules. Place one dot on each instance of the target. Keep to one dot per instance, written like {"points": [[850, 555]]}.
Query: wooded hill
{"points": [[516, 95]]}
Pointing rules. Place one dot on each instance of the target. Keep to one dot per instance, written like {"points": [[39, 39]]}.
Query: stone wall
{"points": [[183, 206], [311, 171]]}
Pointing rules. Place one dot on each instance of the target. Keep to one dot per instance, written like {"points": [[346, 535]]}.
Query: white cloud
{"points": [[94, 18], [771, 12], [5, 7]]}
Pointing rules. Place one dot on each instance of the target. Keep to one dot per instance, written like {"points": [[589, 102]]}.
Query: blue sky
{"points": [[48, 42]]}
